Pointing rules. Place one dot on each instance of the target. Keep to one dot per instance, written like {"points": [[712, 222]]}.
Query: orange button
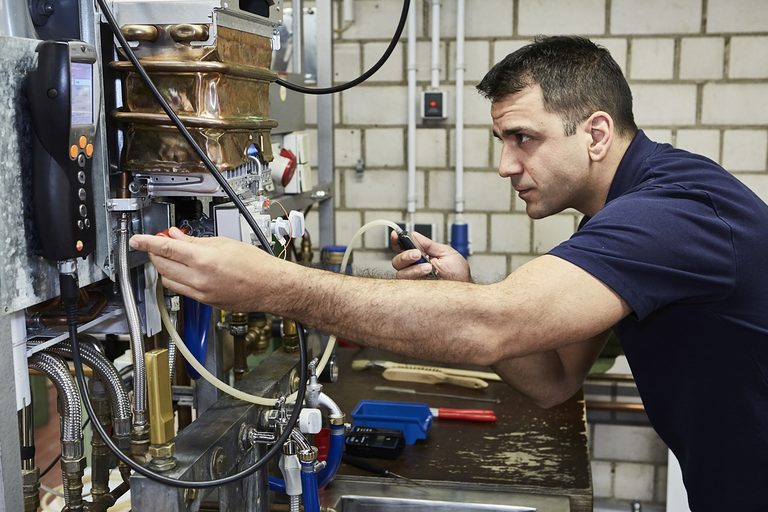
{"points": [[89, 150], [79, 245], [83, 141], [73, 151]]}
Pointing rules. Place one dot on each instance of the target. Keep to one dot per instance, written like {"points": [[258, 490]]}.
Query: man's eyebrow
{"points": [[508, 132]]}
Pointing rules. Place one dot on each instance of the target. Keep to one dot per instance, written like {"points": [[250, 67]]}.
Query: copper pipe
{"points": [[240, 365], [49, 319], [615, 406], [125, 179], [611, 377]]}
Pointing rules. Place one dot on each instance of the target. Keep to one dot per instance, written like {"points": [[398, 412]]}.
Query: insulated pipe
{"points": [[459, 228], [435, 44], [134, 327], [412, 105], [297, 54], [335, 452], [105, 370]]}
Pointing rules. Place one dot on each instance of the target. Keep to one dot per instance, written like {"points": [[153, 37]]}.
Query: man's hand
{"points": [[214, 271], [448, 263]]}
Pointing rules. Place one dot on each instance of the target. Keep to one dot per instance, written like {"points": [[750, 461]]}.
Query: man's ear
{"points": [[601, 135]]}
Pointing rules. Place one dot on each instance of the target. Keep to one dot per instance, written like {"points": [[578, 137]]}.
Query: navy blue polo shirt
{"points": [[685, 244]]}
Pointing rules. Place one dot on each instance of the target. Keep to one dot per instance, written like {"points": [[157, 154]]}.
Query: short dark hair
{"points": [[577, 78]]}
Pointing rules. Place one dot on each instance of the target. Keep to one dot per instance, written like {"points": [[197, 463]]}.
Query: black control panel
{"points": [[374, 442], [64, 95]]}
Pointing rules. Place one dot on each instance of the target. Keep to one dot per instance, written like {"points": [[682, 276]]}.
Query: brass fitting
{"points": [[73, 466], [290, 336], [308, 455], [162, 456], [336, 419], [161, 432]]}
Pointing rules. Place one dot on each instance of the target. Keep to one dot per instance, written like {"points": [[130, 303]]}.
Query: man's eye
{"points": [[522, 138]]}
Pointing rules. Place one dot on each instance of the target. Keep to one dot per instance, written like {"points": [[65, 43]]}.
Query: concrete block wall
{"points": [[699, 74]]}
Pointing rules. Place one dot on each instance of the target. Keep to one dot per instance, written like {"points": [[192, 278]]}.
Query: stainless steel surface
{"points": [[216, 433], [15, 20], [205, 394], [382, 495], [220, 12], [325, 128]]}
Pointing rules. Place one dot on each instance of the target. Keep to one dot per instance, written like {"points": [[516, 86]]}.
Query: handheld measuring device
{"points": [[63, 95]]}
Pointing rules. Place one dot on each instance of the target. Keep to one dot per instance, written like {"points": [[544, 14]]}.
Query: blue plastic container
{"points": [[412, 419]]}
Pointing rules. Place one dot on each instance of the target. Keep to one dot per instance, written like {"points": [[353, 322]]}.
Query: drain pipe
{"points": [[435, 75], [140, 435], [459, 228], [412, 105], [72, 458]]}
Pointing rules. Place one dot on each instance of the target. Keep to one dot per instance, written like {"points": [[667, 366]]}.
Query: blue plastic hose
{"points": [[197, 320], [332, 462], [309, 489]]}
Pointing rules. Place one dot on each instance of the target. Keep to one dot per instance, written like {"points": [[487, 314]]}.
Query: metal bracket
{"points": [[131, 204]]}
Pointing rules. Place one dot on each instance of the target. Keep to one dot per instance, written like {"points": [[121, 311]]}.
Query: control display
{"points": [[81, 90]]}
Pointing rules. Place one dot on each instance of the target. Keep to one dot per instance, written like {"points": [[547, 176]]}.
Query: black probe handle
{"points": [[406, 244], [364, 465]]}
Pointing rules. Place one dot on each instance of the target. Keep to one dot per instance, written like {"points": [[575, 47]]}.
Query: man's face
{"points": [[549, 170]]}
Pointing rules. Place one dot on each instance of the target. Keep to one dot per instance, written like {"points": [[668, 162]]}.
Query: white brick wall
{"points": [[701, 58], [748, 57], [393, 70], [478, 231], [431, 147], [380, 189], [557, 17], [486, 191], [374, 105], [668, 104], [489, 268], [510, 233], [549, 232], [737, 16], [384, 147], [476, 145], [346, 62], [602, 479], [738, 104], [348, 148], [634, 481], [745, 150], [618, 49], [655, 16], [703, 142], [630, 443], [652, 58], [374, 19], [757, 182], [476, 65]]}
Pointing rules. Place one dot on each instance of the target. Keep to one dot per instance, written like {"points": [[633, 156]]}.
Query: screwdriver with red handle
{"points": [[463, 414]]}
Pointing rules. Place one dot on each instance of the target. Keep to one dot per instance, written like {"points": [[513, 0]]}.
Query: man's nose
{"points": [[509, 164]]}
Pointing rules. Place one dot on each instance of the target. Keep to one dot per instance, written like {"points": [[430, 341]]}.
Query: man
{"points": [[668, 255]]}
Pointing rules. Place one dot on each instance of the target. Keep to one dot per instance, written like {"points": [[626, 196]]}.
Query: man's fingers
{"points": [[406, 259], [171, 248], [414, 271]]}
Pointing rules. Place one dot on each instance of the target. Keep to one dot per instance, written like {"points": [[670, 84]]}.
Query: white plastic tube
{"points": [[435, 44], [459, 131], [412, 106]]}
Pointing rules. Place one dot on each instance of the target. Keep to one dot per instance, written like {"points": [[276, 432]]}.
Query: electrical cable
{"points": [[72, 319], [68, 285], [362, 78]]}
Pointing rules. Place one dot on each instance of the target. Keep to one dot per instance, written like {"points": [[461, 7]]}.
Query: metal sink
{"points": [[357, 494], [379, 504]]}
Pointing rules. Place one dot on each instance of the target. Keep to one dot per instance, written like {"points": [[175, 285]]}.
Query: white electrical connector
{"points": [[293, 226], [310, 421]]}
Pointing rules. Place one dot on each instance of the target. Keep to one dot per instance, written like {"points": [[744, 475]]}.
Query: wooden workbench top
{"points": [[527, 450]]}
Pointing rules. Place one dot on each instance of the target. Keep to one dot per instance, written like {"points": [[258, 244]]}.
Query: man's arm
{"points": [[550, 378], [544, 305]]}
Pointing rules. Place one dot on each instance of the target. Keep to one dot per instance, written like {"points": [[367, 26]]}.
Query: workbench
{"points": [[528, 451]]}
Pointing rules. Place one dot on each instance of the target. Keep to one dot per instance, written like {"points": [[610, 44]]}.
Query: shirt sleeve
{"points": [[655, 247]]}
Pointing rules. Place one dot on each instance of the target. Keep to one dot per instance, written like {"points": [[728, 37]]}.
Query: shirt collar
{"points": [[632, 171]]}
